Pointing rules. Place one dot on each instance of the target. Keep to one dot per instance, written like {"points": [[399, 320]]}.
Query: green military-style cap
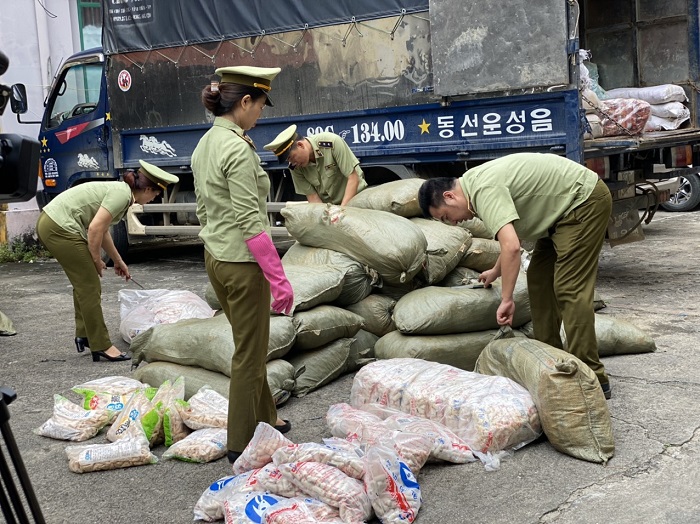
{"points": [[258, 77], [282, 143], [158, 175]]}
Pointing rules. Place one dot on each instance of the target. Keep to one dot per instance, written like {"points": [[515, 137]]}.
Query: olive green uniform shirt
{"points": [[231, 190], [531, 190], [328, 174], [74, 209]]}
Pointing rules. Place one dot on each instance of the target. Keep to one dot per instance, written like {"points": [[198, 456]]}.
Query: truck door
{"points": [[76, 129]]}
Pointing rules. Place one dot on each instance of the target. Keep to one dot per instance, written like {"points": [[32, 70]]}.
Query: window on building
{"points": [[90, 21]]}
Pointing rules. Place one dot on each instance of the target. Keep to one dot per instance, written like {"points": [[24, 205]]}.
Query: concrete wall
{"points": [[36, 41]]}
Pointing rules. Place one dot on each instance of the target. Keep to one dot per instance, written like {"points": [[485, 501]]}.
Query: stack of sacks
{"points": [[330, 340], [381, 229], [201, 350], [666, 104], [609, 113], [142, 309], [451, 323], [372, 249]]}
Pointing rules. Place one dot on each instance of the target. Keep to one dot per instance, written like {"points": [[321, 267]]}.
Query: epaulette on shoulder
{"points": [[325, 143]]}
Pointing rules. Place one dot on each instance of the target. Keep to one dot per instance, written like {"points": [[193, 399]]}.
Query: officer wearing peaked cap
{"points": [[74, 227], [157, 175], [324, 169], [242, 263], [257, 77]]}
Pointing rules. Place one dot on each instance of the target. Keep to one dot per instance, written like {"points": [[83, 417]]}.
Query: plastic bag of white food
{"points": [[270, 479], [210, 506], [248, 508], [391, 486], [489, 413], [203, 445], [72, 422], [127, 452], [266, 440], [141, 309], [111, 393], [301, 510], [367, 430], [345, 421], [138, 409], [447, 445], [204, 409], [330, 485], [349, 462]]}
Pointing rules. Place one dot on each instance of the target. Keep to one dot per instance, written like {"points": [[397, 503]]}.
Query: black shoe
{"points": [[606, 391], [233, 456], [284, 428], [97, 355], [81, 343]]}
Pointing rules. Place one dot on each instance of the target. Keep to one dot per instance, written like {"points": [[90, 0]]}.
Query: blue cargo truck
{"points": [[418, 88]]}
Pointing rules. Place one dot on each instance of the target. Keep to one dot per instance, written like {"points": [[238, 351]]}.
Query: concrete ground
{"points": [[653, 477]]}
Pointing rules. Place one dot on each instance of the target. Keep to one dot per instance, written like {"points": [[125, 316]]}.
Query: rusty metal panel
{"points": [[655, 9], [638, 42], [663, 53], [614, 53], [347, 67], [486, 47]]}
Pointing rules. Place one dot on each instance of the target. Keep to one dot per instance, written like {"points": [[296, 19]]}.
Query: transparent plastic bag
{"points": [[72, 422], [141, 309]]}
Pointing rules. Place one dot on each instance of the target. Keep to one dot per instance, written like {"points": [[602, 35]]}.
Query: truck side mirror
{"points": [[18, 99]]}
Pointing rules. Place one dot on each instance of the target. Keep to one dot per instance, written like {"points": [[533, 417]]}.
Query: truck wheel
{"points": [[687, 197], [121, 241]]}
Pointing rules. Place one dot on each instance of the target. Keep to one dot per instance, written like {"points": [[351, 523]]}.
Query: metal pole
{"points": [[7, 395]]}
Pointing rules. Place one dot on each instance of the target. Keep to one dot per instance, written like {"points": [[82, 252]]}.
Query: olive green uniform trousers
{"points": [[71, 251], [244, 295], [561, 279]]}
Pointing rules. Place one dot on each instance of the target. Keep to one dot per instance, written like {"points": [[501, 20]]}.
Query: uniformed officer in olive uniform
{"points": [[241, 260], [324, 169], [74, 227], [562, 206]]}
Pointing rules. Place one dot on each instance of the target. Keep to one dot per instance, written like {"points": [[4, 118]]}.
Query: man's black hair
{"points": [[430, 193]]}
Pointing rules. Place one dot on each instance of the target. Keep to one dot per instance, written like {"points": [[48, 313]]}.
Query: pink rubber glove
{"points": [[264, 251]]}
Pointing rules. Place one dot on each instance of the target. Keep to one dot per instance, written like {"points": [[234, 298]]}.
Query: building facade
{"points": [[37, 36]]}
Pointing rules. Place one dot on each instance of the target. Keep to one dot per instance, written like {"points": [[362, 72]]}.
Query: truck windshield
{"points": [[77, 94]]}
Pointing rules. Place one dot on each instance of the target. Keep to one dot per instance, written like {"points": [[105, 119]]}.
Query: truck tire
{"points": [[121, 241], [687, 197]]}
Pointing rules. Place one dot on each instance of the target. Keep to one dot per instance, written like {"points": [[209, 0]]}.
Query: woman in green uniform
{"points": [[241, 261], [74, 226]]}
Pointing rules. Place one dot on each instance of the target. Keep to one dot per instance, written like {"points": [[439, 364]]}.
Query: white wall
{"points": [[36, 41]]}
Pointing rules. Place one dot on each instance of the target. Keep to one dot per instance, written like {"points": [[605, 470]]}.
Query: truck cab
{"points": [[75, 130]]}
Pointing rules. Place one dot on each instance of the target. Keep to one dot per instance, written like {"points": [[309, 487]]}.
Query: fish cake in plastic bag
{"points": [[210, 506], [202, 445], [266, 440], [71, 422]]}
